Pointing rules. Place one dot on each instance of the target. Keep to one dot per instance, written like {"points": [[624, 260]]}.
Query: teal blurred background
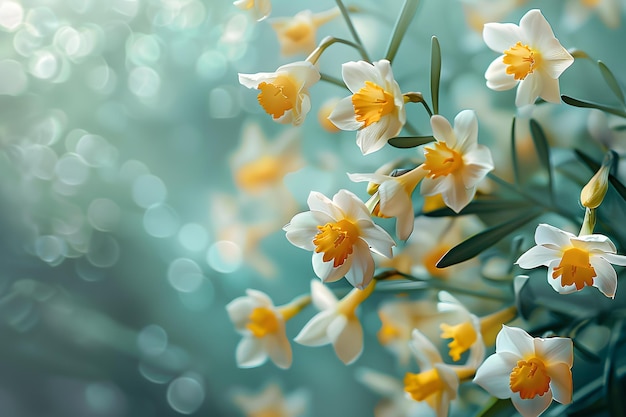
{"points": [[123, 234]]}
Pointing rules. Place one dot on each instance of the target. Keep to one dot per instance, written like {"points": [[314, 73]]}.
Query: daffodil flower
{"points": [[297, 34], [530, 371], [341, 233], [437, 383], [263, 328], [284, 93], [456, 163], [260, 9], [532, 59], [574, 261], [376, 107], [394, 197], [576, 12], [336, 323]]}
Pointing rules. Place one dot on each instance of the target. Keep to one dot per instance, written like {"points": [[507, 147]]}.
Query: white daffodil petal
{"points": [[466, 129], [559, 57], [239, 310], [442, 130], [425, 352], [319, 202], [534, 406], [279, 350], [528, 90], [250, 353], [606, 279], [376, 178], [537, 256], [497, 78], [355, 74], [374, 137], [457, 197], [260, 297], [322, 297], [351, 205], [302, 228], [377, 238], [326, 271], [555, 350], [343, 117], [501, 36], [547, 234], [347, 339], [449, 378], [535, 26], [560, 382], [614, 259], [594, 243], [550, 91], [515, 341], [362, 268], [495, 372], [314, 332]]}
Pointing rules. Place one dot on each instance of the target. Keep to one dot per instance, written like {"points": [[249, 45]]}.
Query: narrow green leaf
{"points": [[410, 141], [543, 151], [482, 206], [402, 24], [594, 166], [483, 240], [514, 159], [591, 105], [435, 73], [620, 128], [613, 391], [611, 81]]}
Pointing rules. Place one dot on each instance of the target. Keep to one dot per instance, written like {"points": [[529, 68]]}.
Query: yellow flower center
{"points": [[521, 60], [262, 321], [529, 378], [463, 337], [298, 32], [441, 160], [423, 385], [336, 240], [371, 103], [256, 174], [590, 3], [278, 96], [575, 269], [388, 331], [433, 256]]}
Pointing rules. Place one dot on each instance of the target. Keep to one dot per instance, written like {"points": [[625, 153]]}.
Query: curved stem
{"points": [[355, 35]]}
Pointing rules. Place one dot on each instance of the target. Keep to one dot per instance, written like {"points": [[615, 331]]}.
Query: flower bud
{"points": [[593, 193]]}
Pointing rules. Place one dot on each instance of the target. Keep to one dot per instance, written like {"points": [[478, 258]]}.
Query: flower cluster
{"points": [[451, 320]]}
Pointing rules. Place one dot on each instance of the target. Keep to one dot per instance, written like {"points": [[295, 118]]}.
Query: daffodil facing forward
{"points": [[376, 107], [262, 326], [336, 323], [532, 59], [341, 233], [530, 371], [456, 163], [574, 261], [284, 94], [297, 34]]}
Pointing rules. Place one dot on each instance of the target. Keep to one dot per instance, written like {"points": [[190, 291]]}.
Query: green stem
{"points": [[402, 24], [332, 80], [355, 35], [325, 43]]}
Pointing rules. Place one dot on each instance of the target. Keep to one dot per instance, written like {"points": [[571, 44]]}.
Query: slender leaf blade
{"points": [[482, 207], [483, 240], [611, 81], [404, 142], [591, 105], [402, 24], [514, 159], [435, 73], [543, 151]]}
